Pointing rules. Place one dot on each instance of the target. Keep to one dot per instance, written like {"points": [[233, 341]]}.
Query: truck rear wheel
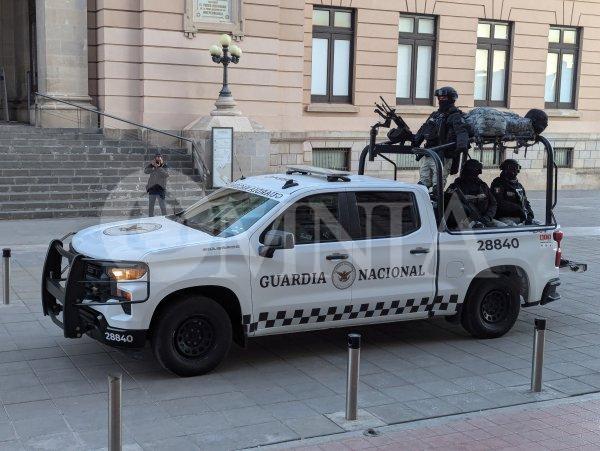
{"points": [[491, 308], [192, 336]]}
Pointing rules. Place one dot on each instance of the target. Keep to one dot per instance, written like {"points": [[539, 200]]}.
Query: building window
{"points": [[416, 54], [404, 161], [332, 158], [561, 67], [489, 158], [332, 55], [563, 157], [491, 63]]}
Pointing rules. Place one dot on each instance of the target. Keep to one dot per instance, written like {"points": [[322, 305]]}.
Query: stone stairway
{"points": [[52, 173]]}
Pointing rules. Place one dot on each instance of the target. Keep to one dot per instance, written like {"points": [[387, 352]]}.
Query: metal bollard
{"points": [[6, 266], [352, 377], [537, 363], [115, 428]]}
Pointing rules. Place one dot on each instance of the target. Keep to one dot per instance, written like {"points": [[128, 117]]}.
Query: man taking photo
{"points": [[157, 184]]}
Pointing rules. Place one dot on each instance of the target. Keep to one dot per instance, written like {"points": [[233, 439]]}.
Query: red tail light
{"points": [[558, 236]]}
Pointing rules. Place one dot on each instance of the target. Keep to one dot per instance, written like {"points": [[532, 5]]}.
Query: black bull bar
{"points": [[66, 294]]}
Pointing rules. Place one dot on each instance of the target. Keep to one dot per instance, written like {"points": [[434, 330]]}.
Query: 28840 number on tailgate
{"points": [[498, 244]]}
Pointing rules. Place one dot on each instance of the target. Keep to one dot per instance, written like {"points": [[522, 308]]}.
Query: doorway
{"points": [[18, 60]]}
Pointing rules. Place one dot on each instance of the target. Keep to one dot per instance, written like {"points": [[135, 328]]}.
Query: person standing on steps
{"points": [[157, 184]]}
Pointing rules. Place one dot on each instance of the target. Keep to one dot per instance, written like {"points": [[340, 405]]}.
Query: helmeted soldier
{"points": [[469, 201], [513, 206], [443, 126]]}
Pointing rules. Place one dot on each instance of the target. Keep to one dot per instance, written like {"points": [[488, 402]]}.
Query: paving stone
{"points": [[36, 427], [327, 404], [448, 371], [507, 378], [23, 394], [442, 389], [185, 406], [226, 401], [476, 383], [64, 440], [406, 393], [394, 413], [151, 431], [97, 439], [247, 415], [433, 407], [30, 410], [62, 389], [7, 432], [313, 426], [269, 395], [383, 380], [246, 436], [174, 443], [87, 421], [570, 386], [289, 410], [203, 423]]}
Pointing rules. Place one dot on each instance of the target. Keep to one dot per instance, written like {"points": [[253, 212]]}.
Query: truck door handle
{"points": [[337, 256], [419, 250]]}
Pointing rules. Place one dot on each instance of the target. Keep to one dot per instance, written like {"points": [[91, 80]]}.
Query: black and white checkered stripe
{"points": [[368, 310]]}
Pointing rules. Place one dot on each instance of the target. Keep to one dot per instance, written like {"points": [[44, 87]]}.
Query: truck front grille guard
{"points": [[69, 299]]}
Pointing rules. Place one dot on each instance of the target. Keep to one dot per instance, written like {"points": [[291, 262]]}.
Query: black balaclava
{"points": [[471, 170], [510, 170], [446, 96], [445, 103]]}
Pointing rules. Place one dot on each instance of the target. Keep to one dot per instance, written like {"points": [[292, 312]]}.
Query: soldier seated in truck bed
{"points": [[469, 201]]}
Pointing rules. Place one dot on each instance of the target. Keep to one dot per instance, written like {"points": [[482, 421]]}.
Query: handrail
{"points": [[195, 155]]}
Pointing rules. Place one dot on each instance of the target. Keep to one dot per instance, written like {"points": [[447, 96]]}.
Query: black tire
{"points": [[192, 335], [491, 308]]}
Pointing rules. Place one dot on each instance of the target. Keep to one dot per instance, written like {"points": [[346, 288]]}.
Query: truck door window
{"points": [[386, 214], [313, 219]]}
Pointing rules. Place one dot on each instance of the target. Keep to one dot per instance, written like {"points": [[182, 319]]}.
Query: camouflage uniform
{"points": [[442, 127], [428, 172]]}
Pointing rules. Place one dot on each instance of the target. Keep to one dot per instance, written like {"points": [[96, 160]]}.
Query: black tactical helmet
{"points": [[447, 91], [510, 162], [473, 165]]}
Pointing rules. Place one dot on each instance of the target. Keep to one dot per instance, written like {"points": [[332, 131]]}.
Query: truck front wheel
{"points": [[192, 336], [491, 308]]}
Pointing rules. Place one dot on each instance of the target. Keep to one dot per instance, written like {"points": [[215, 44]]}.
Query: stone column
{"points": [[62, 50]]}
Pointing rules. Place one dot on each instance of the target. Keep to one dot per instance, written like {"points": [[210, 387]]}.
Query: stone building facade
{"points": [[311, 70]]}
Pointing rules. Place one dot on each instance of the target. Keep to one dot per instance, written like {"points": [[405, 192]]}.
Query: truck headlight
{"points": [[125, 274]]}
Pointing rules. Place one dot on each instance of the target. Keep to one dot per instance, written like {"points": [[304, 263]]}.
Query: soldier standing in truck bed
{"points": [[443, 126]]}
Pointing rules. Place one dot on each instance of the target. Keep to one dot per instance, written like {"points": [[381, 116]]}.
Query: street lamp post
{"points": [[225, 53]]}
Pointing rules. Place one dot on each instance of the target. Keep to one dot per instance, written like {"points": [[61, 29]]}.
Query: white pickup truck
{"points": [[293, 252]]}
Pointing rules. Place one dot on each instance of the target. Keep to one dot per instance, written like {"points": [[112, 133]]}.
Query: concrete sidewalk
{"points": [[567, 424]]}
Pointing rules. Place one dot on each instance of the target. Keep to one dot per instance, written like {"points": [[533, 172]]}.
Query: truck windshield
{"points": [[226, 212]]}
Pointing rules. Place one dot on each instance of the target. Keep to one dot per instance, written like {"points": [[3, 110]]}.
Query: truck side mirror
{"points": [[275, 239]]}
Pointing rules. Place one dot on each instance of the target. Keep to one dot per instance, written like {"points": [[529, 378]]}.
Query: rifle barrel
{"points": [[385, 103]]}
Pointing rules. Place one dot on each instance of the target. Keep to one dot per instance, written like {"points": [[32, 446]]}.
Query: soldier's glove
{"points": [[487, 221], [478, 225]]}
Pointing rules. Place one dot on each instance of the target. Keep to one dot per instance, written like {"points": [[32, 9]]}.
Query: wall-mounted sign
{"points": [[223, 16], [222, 156], [212, 11]]}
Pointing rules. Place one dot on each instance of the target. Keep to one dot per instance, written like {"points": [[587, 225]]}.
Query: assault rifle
{"points": [[402, 132]]}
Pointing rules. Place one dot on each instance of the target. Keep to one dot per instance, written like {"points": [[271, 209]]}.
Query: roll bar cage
{"points": [[375, 149]]}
